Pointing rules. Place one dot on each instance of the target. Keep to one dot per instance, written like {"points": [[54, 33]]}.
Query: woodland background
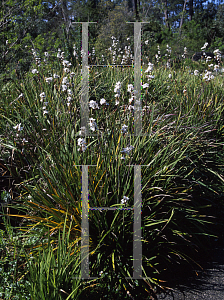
{"points": [[47, 26]]}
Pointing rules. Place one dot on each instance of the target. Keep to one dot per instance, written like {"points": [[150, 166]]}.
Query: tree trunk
{"points": [[191, 10], [135, 9], [182, 18], [67, 21], [166, 14]]}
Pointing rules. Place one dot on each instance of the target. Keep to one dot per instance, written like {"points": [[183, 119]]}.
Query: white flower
{"points": [[72, 74], [34, 71], [64, 87], [46, 54], [216, 67], [93, 104], [69, 98], [82, 143], [65, 80], [101, 272], [49, 79], [92, 124], [103, 101], [124, 200], [20, 96], [66, 70], [205, 45], [127, 149], [6, 42], [145, 85], [42, 96], [124, 128], [170, 76], [45, 112], [150, 77], [18, 127], [208, 76], [24, 140], [56, 76], [210, 66], [65, 63], [185, 91], [130, 88], [150, 68], [58, 55], [196, 72], [217, 51], [117, 101], [117, 87], [82, 131], [69, 92], [146, 42]]}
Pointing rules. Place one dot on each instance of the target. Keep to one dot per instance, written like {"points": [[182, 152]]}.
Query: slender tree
{"points": [[191, 10], [182, 17]]}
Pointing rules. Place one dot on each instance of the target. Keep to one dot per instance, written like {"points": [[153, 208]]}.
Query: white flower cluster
{"points": [[150, 77], [131, 90], [60, 54], [42, 96], [196, 72], [124, 129], [217, 55], [126, 150], [35, 56], [74, 52], [93, 104], [103, 101], [117, 90], [65, 83], [92, 124], [158, 54], [208, 58], [82, 144], [168, 49], [49, 79], [185, 52], [18, 127], [205, 46], [82, 131], [144, 109], [208, 76], [216, 68], [150, 68], [127, 56], [69, 98], [124, 200], [145, 85], [35, 71]]}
